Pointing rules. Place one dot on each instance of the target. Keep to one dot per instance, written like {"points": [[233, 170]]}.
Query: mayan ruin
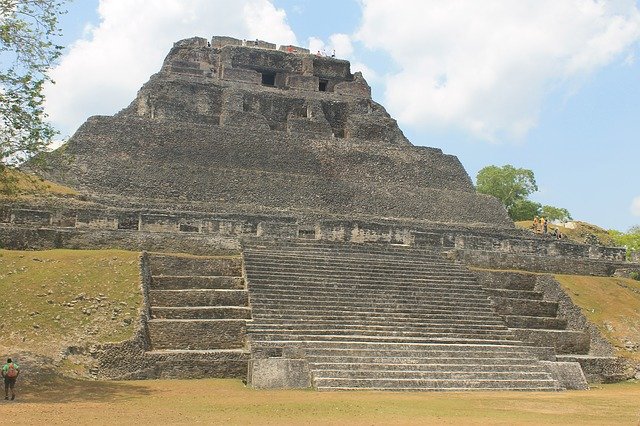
{"points": [[293, 237]]}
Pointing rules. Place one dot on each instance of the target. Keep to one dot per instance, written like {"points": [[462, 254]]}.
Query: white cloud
{"points": [[486, 66], [102, 72], [635, 206]]}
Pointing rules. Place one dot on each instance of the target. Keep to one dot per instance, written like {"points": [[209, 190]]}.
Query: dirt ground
{"points": [[158, 402]]}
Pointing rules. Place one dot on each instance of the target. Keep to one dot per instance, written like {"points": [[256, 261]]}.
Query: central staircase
{"points": [[379, 317]]}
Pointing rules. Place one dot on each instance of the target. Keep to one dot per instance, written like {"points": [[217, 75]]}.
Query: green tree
{"points": [[629, 239], [555, 213], [28, 29], [506, 183], [524, 210]]}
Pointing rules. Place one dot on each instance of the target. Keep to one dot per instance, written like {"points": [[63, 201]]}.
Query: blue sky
{"points": [[545, 85]]}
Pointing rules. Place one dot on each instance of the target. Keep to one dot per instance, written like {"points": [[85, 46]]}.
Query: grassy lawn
{"points": [[59, 298], [229, 402], [612, 304]]}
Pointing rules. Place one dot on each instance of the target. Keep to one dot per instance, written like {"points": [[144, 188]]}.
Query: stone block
{"points": [[191, 265], [358, 88], [31, 217], [218, 42], [159, 223], [241, 75], [197, 334], [244, 120], [279, 373], [277, 230], [599, 369], [526, 307], [564, 341], [568, 374], [309, 126], [302, 82]]}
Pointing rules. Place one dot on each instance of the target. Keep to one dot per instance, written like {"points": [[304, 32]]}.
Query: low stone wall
{"points": [[540, 263], [23, 238], [54, 226]]}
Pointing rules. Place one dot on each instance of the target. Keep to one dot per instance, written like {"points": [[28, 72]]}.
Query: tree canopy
{"points": [[28, 29], [512, 186], [629, 239]]}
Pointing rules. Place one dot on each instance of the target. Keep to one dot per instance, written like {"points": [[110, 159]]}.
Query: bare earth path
{"points": [[229, 402]]}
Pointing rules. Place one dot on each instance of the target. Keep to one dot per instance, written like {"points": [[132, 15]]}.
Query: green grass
{"points": [[612, 304], [229, 402], [14, 183], [580, 234], [59, 298]]}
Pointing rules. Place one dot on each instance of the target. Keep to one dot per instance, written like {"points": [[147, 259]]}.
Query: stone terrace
{"points": [[198, 315], [376, 317]]}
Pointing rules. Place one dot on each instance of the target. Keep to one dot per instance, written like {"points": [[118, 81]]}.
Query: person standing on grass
{"points": [[10, 372]]}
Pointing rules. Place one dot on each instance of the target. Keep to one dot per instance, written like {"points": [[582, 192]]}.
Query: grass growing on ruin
{"points": [[613, 305], [580, 234], [54, 299], [14, 183], [228, 402]]}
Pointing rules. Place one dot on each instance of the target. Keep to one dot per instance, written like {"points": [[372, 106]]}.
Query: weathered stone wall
{"points": [[538, 263], [143, 159], [54, 225]]}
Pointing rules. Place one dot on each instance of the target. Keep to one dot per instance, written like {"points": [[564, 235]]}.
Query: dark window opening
{"points": [[322, 86], [268, 79]]}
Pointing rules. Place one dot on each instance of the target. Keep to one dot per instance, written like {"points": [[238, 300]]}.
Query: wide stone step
{"points": [[453, 339], [198, 364], [395, 275], [515, 294], [340, 251], [344, 250], [321, 286], [431, 375], [525, 307], [564, 341], [506, 280], [381, 321], [169, 282], [257, 331], [197, 334], [269, 316], [354, 291], [485, 365], [201, 312], [279, 300], [175, 298], [480, 328], [457, 362], [411, 350], [329, 309], [350, 278], [327, 383], [349, 265], [514, 321], [161, 264], [378, 284]]}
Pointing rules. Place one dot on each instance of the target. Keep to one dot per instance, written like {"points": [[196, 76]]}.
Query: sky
{"points": [[547, 85]]}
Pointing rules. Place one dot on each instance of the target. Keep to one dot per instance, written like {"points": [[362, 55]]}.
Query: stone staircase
{"points": [[528, 316], [198, 309], [370, 316]]}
